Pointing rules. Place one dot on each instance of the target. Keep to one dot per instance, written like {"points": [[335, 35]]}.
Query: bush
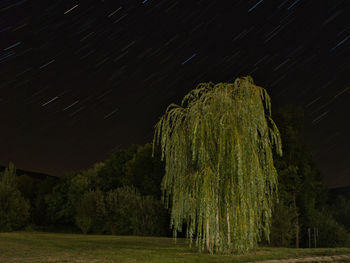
{"points": [[84, 223], [129, 213], [151, 219], [121, 208], [330, 232], [342, 211], [90, 212], [283, 228]]}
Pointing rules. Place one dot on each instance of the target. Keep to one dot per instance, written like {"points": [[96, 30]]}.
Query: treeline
{"points": [[122, 196]]}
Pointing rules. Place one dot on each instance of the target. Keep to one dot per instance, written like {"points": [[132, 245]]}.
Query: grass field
{"points": [[49, 247]]}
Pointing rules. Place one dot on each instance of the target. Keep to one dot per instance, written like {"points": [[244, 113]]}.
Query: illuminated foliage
{"points": [[219, 174]]}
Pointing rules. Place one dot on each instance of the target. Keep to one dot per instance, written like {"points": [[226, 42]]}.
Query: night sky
{"points": [[81, 79]]}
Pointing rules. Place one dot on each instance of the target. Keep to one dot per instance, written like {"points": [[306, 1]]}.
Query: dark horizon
{"points": [[80, 80]]}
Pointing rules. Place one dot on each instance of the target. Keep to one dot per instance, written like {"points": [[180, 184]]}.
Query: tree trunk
{"points": [[297, 235], [228, 227], [207, 235], [217, 231], [297, 225]]}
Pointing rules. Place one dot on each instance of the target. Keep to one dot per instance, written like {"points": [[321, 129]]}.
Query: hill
{"points": [[31, 174]]}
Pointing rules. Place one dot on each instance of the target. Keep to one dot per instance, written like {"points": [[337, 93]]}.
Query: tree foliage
{"points": [[146, 172], [113, 174], [219, 173]]}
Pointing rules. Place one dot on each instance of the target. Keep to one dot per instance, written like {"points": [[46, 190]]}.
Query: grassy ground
{"points": [[48, 247]]}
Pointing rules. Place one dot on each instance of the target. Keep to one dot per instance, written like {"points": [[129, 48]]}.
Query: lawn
{"points": [[48, 247]]}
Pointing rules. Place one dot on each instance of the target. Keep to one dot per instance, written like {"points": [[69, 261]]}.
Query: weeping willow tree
{"points": [[220, 179]]}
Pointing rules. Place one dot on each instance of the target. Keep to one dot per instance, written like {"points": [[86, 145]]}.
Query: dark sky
{"points": [[79, 79]]}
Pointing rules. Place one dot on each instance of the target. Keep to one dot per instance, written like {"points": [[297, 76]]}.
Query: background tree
{"points": [[113, 174], [294, 174], [146, 172], [219, 172], [79, 184], [59, 208], [302, 192], [14, 209], [39, 211]]}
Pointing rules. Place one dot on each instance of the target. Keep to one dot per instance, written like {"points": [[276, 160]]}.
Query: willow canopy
{"points": [[219, 174]]}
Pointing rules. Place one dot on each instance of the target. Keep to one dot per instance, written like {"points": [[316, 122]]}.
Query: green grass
{"points": [[49, 247]]}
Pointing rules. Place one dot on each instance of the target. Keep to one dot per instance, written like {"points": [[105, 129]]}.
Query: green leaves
{"points": [[220, 175]]}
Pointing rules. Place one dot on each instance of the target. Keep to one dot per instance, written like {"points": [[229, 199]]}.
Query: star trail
{"points": [[78, 79]]}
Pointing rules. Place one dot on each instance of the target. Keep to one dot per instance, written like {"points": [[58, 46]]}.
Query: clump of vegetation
{"points": [[131, 213]]}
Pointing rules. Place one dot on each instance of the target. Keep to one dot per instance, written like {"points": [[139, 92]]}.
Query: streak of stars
{"points": [[79, 79]]}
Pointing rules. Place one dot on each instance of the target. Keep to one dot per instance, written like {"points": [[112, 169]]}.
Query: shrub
{"points": [[330, 232], [90, 212], [129, 213], [283, 226]]}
